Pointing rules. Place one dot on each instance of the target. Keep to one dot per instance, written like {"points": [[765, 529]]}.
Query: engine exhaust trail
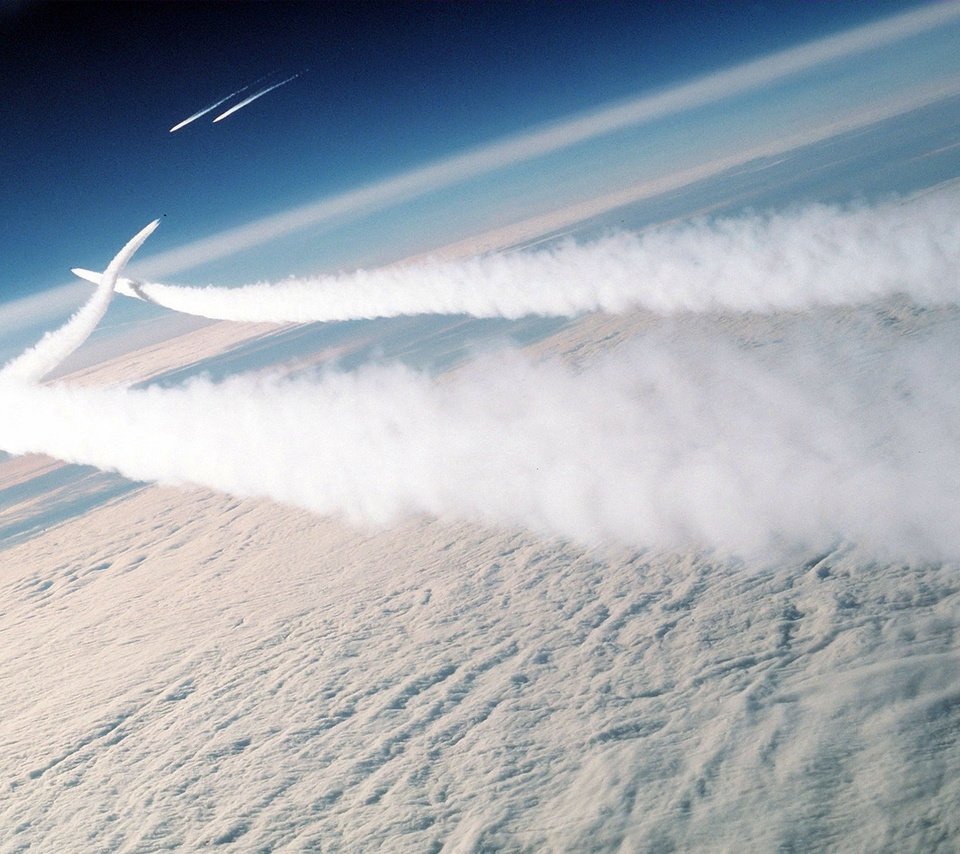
{"points": [[35, 363], [213, 106], [254, 97], [818, 255], [683, 437], [842, 426]]}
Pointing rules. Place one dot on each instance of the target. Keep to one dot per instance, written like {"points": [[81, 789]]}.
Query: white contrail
{"points": [[254, 97], [212, 107], [54, 347], [818, 255]]}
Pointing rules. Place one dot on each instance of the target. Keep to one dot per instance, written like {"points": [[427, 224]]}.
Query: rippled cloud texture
{"points": [[685, 436]]}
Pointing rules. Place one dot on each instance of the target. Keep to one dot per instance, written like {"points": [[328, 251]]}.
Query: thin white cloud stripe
{"points": [[527, 146]]}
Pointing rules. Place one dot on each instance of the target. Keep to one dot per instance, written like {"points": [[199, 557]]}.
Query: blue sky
{"points": [[92, 90]]}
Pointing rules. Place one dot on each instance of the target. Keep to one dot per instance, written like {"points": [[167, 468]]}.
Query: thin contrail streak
{"points": [[206, 110], [214, 106], [254, 97]]}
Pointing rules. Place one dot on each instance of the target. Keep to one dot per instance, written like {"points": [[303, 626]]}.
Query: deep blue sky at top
{"points": [[90, 91]]}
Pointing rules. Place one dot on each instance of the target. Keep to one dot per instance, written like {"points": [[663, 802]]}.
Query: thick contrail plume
{"points": [[817, 255], [54, 347], [254, 96], [682, 438]]}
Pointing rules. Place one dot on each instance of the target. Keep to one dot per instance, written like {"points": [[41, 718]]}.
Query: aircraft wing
{"points": [[127, 287]]}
